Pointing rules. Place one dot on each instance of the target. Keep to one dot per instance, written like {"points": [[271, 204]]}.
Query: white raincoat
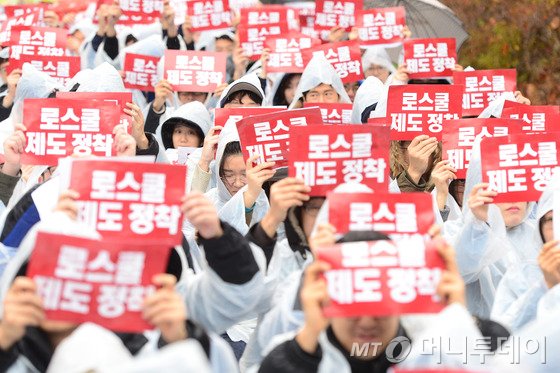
{"points": [[377, 56], [371, 91]]}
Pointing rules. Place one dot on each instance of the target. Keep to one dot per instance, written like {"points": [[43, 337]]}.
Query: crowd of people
{"points": [[249, 294]]}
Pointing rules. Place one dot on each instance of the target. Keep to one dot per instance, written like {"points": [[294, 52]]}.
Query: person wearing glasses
{"points": [[376, 62]]}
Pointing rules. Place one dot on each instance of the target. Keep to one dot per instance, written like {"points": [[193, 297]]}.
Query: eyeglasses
{"points": [[231, 178]]}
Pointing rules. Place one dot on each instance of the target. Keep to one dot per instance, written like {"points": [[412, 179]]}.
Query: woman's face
{"points": [[290, 90], [185, 136], [233, 173], [513, 213], [186, 97], [378, 71], [547, 227]]}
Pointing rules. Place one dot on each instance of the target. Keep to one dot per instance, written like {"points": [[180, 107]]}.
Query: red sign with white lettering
{"points": [[416, 109], [139, 201], [136, 11], [36, 41], [326, 156], [329, 14], [82, 280], [522, 165], [382, 26], [62, 69], [140, 72], [285, 52], [209, 14], [459, 136], [389, 213], [345, 57], [268, 135], [339, 113], [195, 71], [430, 58], [57, 128], [483, 87], [382, 278], [536, 118]]}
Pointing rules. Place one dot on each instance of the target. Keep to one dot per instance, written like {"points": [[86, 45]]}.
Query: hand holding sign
{"points": [[137, 125], [163, 91], [521, 99], [479, 199], [22, 308], [324, 237], [442, 174], [67, 203], [14, 147], [419, 152], [256, 176], [451, 288], [166, 310], [125, 145], [12, 81], [549, 262], [202, 214], [209, 148]]}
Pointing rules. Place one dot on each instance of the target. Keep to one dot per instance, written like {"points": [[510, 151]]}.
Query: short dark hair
{"points": [[232, 148], [240, 94]]}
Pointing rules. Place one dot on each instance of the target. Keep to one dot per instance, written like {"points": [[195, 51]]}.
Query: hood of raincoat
{"points": [[377, 56], [546, 202], [228, 134], [193, 114], [494, 109], [274, 95], [151, 46], [319, 71], [249, 82], [367, 98], [104, 78]]}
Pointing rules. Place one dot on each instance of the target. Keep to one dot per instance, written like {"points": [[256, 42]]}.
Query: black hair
{"points": [[279, 97], [367, 112], [428, 81], [232, 148], [224, 37], [240, 94], [358, 236], [541, 223], [130, 38], [453, 185], [169, 128]]}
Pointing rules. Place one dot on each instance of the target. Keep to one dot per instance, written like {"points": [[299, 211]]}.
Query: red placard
{"points": [[389, 213], [416, 109], [285, 52], [118, 98], [57, 128], [62, 69], [136, 11], [22, 15], [223, 116], [537, 118], [382, 278], [209, 15], [381, 26], [338, 113], [459, 136], [329, 14], [139, 201], [257, 24], [99, 281], [345, 57], [268, 135], [195, 71], [36, 41], [483, 87], [519, 166], [430, 58], [307, 20], [326, 156], [140, 72]]}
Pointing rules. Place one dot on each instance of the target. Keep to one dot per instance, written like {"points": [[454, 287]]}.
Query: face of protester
{"points": [[224, 45], [185, 136], [378, 71], [245, 101], [309, 213], [351, 89], [362, 330], [457, 191], [186, 97], [234, 173], [290, 90], [513, 213], [322, 93], [547, 227]]}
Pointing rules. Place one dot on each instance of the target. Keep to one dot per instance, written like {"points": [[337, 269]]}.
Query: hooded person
{"points": [[319, 83], [489, 239], [367, 98], [524, 285], [376, 62], [281, 92], [244, 92], [37, 348]]}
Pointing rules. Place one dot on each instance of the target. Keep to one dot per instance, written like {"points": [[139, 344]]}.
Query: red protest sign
{"points": [[459, 136], [136, 11], [62, 69], [338, 113], [285, 52], [326, 156], [22, 15], [57, 128], [430, 58], [416, 109], [209, 15], [307, 20], [329, 14], [536, 118], [389, 213], [345, 57], [139, 201], [382, 278], [483, 87], [257, 24], [223, 116], [522, 165], [140, 72], [268, 135], [381, 26], [195, 71], [36, 41], [104, 282], [118, 98]]}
